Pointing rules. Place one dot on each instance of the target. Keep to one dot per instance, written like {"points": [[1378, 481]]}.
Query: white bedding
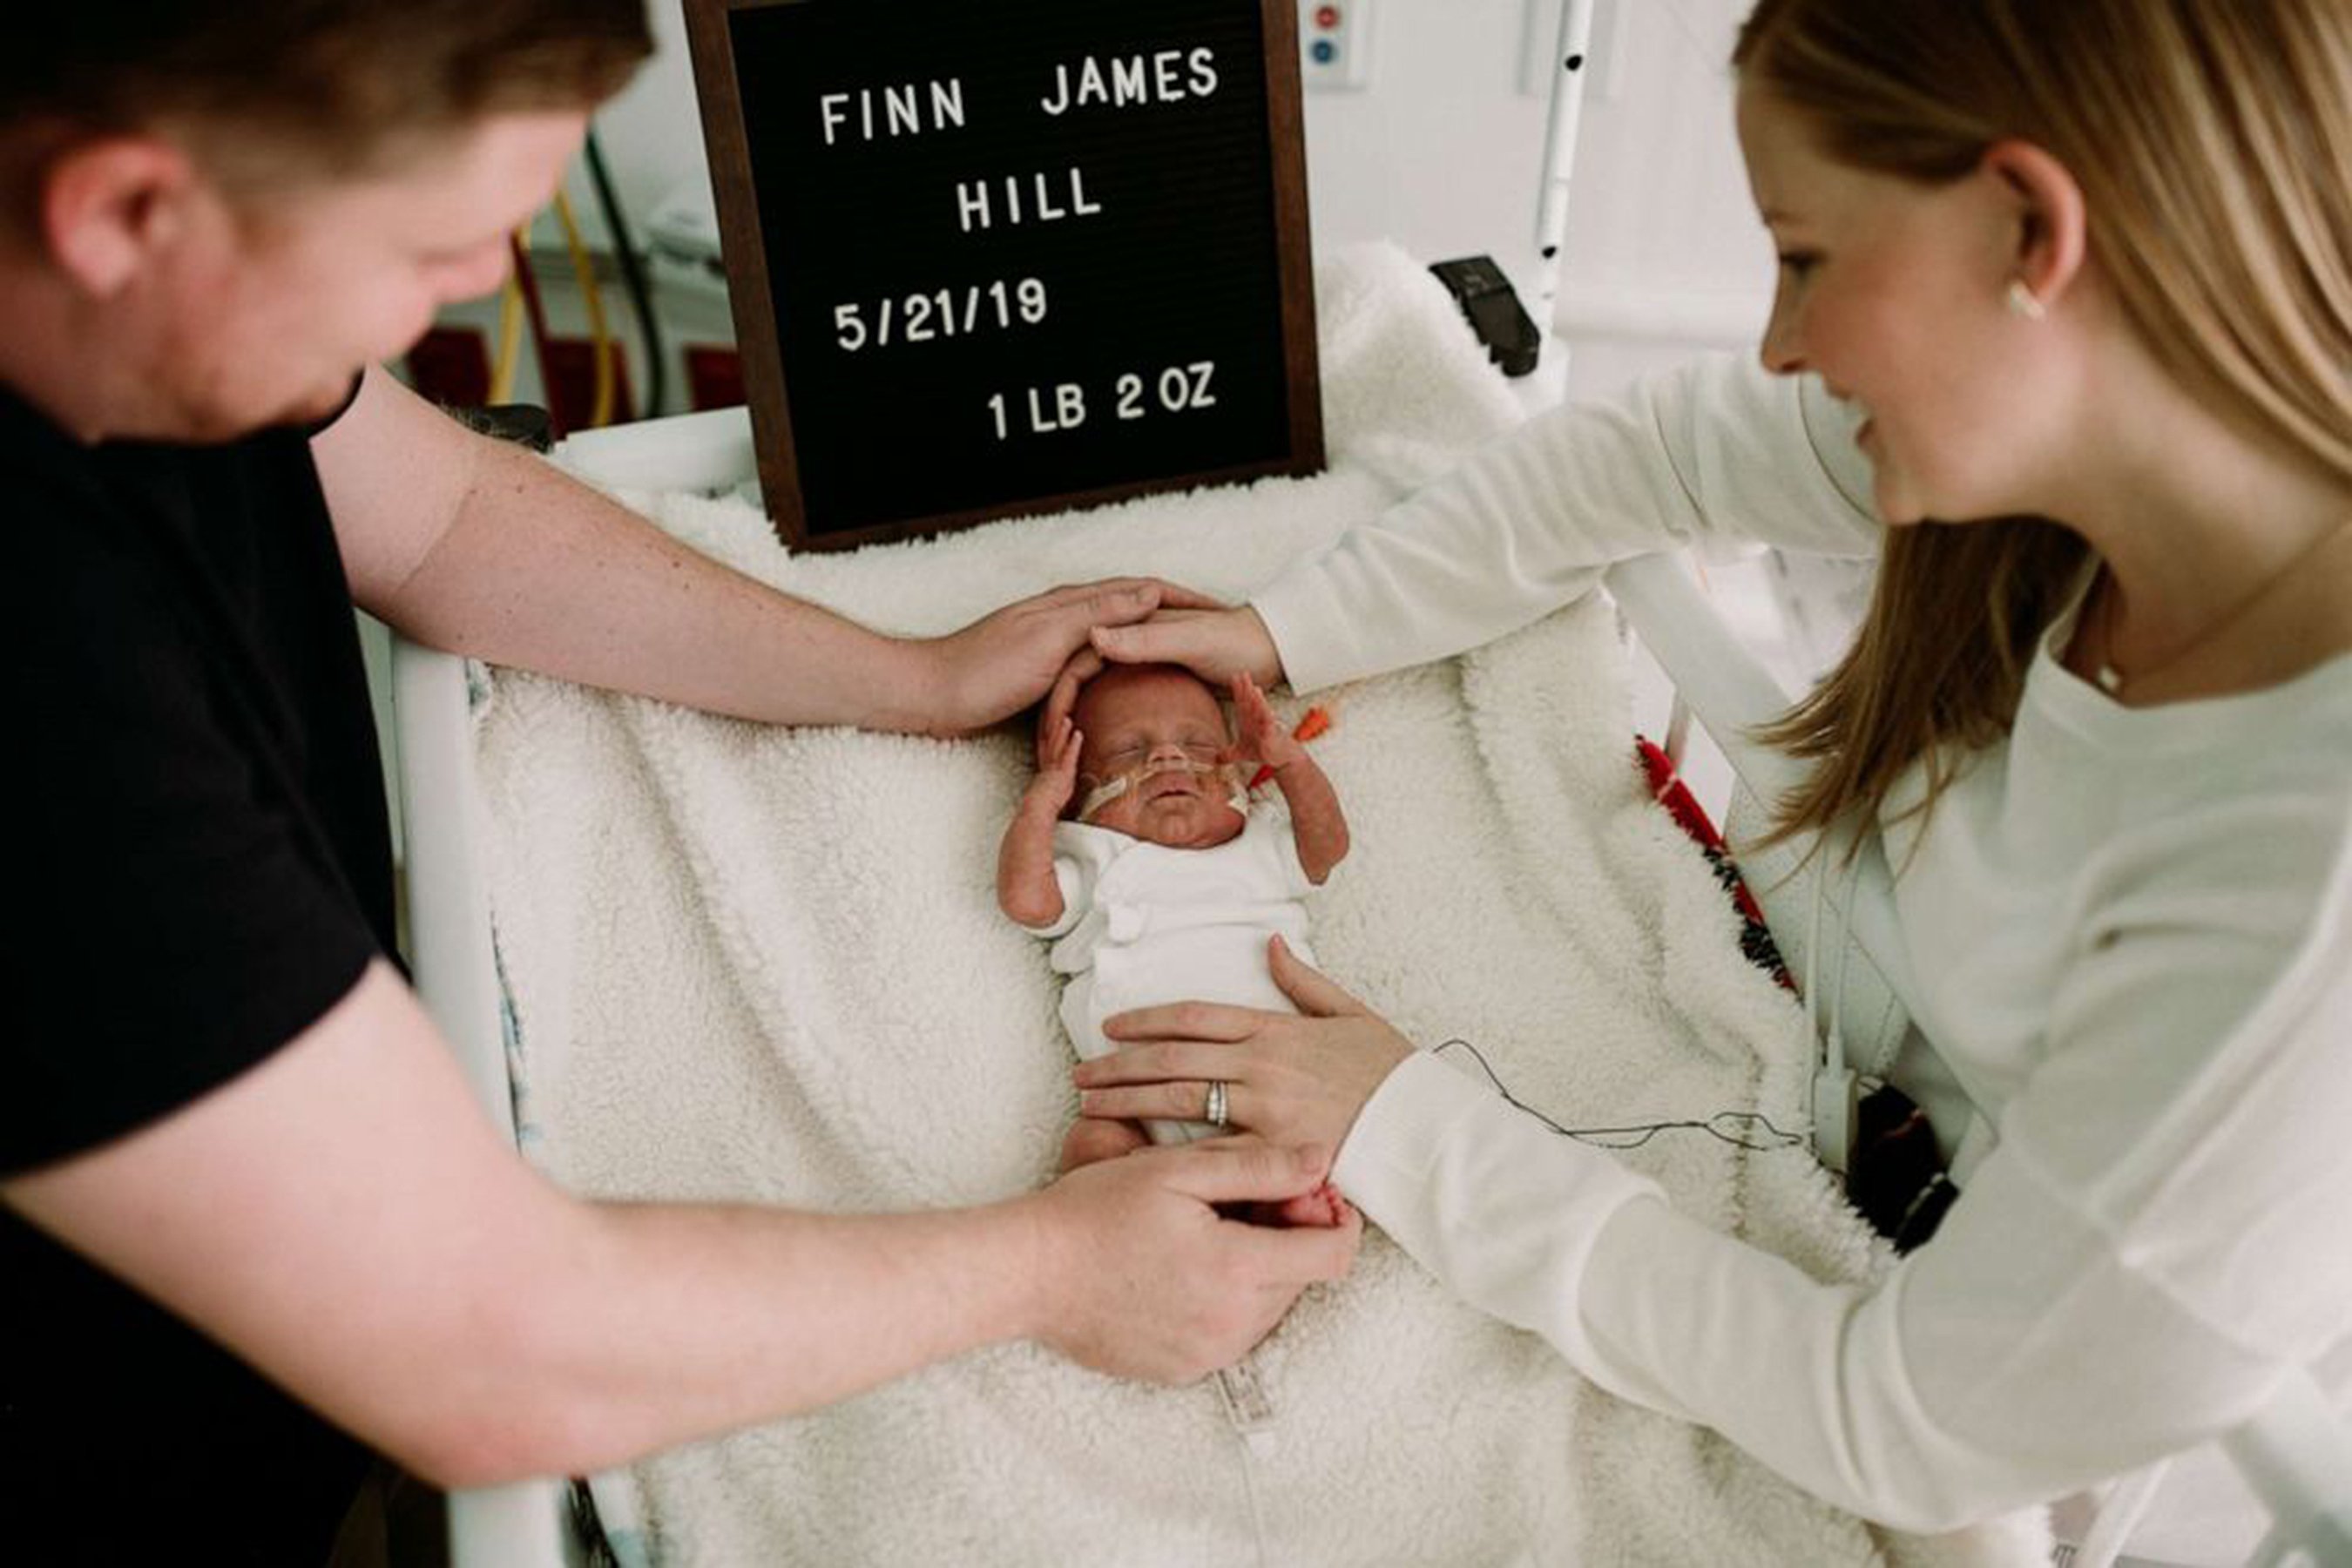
{"points": [[747, 962]]}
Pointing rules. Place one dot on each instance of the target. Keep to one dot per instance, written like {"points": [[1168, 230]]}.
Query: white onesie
{"points": [[1143, 923]]}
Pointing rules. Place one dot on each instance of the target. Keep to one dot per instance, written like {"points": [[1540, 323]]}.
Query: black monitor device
{"points": [[1493, 308]]}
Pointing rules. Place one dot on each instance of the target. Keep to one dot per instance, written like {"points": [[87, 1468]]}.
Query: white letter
{"points": [[971, 202], [1061, 98], [828, 107], [1047, 211], [1205, 72], [1127, 77], [947, 102], [902, 105], [1079, 203], [1163, 74]]}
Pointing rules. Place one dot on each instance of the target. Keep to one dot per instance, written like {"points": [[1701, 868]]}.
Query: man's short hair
{"points": [[325, 86]]}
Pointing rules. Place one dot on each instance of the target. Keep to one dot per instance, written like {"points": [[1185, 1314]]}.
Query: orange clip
{"points": [[1317, 721]]}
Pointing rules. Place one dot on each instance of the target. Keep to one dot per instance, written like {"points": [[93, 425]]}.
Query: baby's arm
{"points": [[1316, 822], [1026, 888]]}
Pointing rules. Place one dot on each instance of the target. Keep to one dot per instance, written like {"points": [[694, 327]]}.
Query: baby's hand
{"points": [[1262, 736], [1062, 699], [1057, 766]]}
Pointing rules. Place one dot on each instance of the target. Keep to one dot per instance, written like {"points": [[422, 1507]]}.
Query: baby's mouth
{"points": [[1159, 787]]}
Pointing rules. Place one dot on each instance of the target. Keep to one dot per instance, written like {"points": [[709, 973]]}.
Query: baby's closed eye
{"points": [[1120, 758]]}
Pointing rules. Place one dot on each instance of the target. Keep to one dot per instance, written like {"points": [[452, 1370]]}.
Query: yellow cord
{"points": [[502, 370], [600, 413]]}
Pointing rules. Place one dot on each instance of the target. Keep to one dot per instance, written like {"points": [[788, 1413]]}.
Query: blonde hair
{"points": [[2212, 141]]}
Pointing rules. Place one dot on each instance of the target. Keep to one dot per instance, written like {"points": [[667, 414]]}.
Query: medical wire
{"points": [[1641, 1132], [633, 275], [1828, 1035]]}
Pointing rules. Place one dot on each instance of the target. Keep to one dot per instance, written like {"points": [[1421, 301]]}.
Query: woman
{"points": [[2076, 282]]}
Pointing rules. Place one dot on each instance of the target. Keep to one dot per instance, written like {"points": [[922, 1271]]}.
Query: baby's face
{"points": [[1159, 727]]}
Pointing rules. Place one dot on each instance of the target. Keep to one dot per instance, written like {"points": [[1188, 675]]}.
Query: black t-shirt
{"points": [[201, 868]]}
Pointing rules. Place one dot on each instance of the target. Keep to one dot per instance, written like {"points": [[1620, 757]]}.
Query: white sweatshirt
{"points": [[2094, 908]]}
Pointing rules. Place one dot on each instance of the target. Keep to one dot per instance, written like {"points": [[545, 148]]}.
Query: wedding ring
{"points": [[1214, 1112]]}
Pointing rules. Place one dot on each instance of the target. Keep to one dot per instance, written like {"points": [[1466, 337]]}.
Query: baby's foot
{"points": [[1321, 1209], [1091, 1138]]}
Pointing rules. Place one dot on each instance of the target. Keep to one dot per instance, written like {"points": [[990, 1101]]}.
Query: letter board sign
{"points": [[996, 256]]}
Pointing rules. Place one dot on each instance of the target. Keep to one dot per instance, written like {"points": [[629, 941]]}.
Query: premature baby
{"points": [[1138, 848]]}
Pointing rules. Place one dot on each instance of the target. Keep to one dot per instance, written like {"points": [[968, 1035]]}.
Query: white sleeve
{"points": [[1080, 853], [1713, 448], [2165, 1231]]}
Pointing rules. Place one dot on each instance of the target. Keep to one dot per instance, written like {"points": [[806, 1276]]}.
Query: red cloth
{"points": [[1667, 787]]}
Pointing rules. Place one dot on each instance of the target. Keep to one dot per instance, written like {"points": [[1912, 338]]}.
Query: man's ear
{"points": [[109, 206], [2049, 243]]}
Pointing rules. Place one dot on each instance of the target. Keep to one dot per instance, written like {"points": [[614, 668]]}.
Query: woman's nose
{"points": [[1781, 350]]}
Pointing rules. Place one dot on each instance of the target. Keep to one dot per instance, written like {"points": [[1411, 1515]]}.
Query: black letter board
{"points": [[995, 257]]}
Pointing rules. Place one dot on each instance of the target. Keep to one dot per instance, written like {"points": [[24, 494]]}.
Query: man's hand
{"points": [[1214, 643], [1143, 1278], [1004, 662]]}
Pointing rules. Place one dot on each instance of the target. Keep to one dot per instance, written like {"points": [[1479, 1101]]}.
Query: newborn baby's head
{"points": [[1153, 762]]}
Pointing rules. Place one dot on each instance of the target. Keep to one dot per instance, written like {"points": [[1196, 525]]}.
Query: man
{"points": [[229, 1139]]}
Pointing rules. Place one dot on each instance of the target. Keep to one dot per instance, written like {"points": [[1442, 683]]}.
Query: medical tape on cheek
{"points": [[1237, 787], [1103, 793]]}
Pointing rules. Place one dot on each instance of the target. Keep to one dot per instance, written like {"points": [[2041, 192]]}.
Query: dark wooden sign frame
{"points": [[741, 231]]}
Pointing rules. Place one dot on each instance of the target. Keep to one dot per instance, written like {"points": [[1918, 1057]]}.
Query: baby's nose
{"points": [[1168, 752]]}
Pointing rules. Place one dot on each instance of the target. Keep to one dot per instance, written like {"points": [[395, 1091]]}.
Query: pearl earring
{"points": [[2023, 303]]}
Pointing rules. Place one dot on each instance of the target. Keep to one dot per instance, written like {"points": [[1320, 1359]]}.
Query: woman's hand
{"points": [[1002, 662], [1214, 644], [1291, 1078]]}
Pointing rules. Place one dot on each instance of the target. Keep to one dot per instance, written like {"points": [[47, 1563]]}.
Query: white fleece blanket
{"points": [[761, 963]]}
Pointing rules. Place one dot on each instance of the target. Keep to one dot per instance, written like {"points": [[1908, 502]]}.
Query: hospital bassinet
{"points": [[2295, 1457]]}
